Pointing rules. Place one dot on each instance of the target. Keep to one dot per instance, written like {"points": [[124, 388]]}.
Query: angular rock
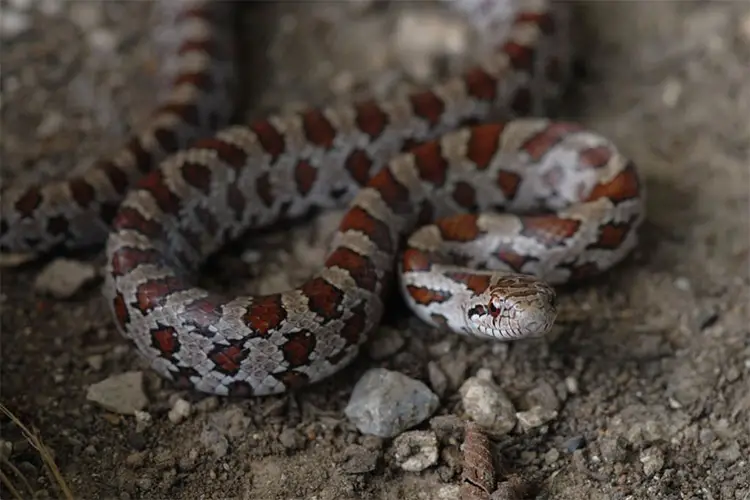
{"points": [[385, 403]]}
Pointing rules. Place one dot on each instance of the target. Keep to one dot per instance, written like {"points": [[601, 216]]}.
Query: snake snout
{"points": [[538, 311]]}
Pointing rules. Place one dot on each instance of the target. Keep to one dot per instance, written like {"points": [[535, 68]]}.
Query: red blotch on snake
{"points": [[427, 105], [358, 164], [357, 219], [121, 310], [465, 195], [462, 227], [168, 202], [480, 85], [270, 139], [318, 129], [298, 349], [427, 296], [482, 145], [305, 176], [228, 359], [508, 183], [431, 163], [625, 186], [370, 118], [265, 314], [415, 260], [478, 283], [550, 230], [165, 339], [611, 236], [323, 298], [360, 268], [538, 145]]}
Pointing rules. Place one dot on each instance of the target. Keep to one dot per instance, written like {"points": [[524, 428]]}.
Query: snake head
{"points": [[515, 306]]}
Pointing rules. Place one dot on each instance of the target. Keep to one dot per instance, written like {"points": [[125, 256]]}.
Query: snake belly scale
{"points": [[474, 224]]}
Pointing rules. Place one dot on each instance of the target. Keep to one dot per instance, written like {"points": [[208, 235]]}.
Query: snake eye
{"points": [[494, 310]]}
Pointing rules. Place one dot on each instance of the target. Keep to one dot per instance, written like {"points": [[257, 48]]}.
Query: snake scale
{"points": [[473, 221]]}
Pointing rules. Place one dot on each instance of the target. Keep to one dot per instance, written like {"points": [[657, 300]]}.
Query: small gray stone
{"points": [[385, 403], [291, 439], [62, 278], [731, 453], [652, 459], [438, 379], [121, 393], [448, 428], [181, 410], [542, 395], [613, 449], [551, 456], [574, 443], [212, 440], [231, 422], [415, 451], [487, 404], [95, 361], [535, 417]]}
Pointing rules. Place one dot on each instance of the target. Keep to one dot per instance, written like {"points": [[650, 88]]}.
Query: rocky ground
{"points": [[641, 392]]}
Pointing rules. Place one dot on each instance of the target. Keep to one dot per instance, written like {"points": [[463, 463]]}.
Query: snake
{"points": [[473, 220]]}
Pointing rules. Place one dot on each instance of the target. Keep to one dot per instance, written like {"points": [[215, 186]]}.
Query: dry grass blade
{"points": [[49, 462], [18, 474], [9, 486]]}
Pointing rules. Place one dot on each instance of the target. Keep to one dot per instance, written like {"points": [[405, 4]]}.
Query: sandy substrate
{"points": [[650, 364]]}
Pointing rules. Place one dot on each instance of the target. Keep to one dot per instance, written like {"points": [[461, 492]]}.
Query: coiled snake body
{"points": [[565, 205]]}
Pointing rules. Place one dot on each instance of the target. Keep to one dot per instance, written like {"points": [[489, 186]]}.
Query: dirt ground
{"points": [[650, 363]]}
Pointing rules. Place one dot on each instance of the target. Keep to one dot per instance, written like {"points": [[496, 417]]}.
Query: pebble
{"points": [[291, 439], [87, 15], [385, 403], [652, 459], [420, 39], [542, 395], [50, 125], [571, 384], [213, 441], [415, 451], [671, 92], [574, 443], [535, 417], [613, 449], [136, 459], [358, 459], [707, 317], [122, 393], [13, 23], [231, 422], [207, 404], [551, 456], [455, 367], [6, 449], [63, 278], [438, 379], [180, 410], [448, 428], [143, 420], [449, 492], [487, 404], [731, 453], [385, 343], [95, 361], [745, 27]]}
